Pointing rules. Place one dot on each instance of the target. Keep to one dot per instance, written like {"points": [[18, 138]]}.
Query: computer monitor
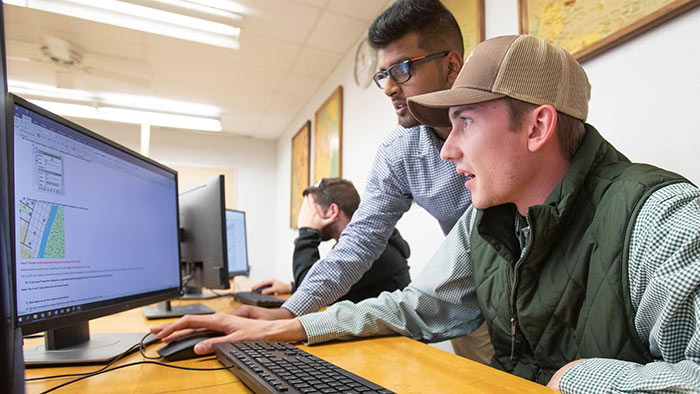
{"points": [[203, 247], [94, 232], [204, 251], [11, 360], [237, 243]]}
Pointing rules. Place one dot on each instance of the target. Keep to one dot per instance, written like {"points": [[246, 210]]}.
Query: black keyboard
{"points": [[257, 299], [278, 367]]}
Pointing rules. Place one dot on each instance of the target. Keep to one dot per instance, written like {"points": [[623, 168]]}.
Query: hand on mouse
{"points": [[274, 287], [236, 329]]}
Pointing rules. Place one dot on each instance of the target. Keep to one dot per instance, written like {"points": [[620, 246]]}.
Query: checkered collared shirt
{"points": [[407, 168], [664, 277]]}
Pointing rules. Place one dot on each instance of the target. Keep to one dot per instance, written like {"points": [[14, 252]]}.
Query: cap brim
{"points": [[431, 109]]}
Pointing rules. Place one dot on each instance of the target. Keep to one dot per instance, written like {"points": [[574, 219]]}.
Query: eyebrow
{"points": [[400, 60], [458, 110]]}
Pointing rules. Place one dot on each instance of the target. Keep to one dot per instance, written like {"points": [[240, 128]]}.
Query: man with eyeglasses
{"points": [[420, 50], [325, 212]]}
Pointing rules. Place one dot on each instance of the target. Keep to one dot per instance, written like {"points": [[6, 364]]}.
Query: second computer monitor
{"points": [[237, 243], [203, 248]]}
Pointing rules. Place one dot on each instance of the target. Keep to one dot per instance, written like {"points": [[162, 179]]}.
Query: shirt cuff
{"points": [[319, 327], [594, 375], [297, 304]]}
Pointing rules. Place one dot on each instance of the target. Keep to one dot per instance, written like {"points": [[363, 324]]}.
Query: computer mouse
{"points": [[260, 289], [183, 348]]}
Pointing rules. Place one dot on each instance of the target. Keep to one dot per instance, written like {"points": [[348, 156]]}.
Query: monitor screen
{"points": [[203, 222], [236, 243], [95, 224]]}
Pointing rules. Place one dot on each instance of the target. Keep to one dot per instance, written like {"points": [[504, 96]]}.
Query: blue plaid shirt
{"points": [[407, 168], [664, 278]]}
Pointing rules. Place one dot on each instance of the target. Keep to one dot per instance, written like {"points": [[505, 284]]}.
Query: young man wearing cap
{"points": [[586, 266], [420, 50]]}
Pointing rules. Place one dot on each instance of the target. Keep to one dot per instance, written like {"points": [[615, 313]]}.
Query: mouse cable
{"points": [[85, 375], [140, 345], [114, 360], [129, 365]]}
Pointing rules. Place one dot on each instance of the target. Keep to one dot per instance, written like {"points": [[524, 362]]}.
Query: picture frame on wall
{"points": [[470, 18], [301, 169], [328, 137], [588, 28]]}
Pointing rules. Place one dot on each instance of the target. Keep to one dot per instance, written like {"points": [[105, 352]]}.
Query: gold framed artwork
{"points": [[301, 146], [588, 28], [328, 137], [470, 17]]}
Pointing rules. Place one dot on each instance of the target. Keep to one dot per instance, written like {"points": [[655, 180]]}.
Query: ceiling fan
{"points": [[69, 60]]}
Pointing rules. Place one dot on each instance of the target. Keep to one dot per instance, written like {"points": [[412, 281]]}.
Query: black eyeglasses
{"points": [[401, 72]]}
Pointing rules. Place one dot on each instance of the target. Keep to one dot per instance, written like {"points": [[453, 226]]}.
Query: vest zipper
{"points": [[511, 287]]}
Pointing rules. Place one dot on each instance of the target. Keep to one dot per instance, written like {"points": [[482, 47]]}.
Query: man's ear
{"points": [[541, 127], [332, 212], [454, 66]]}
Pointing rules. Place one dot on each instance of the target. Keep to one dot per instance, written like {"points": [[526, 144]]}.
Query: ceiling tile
{"points": [[300, 86], [287, 104], [335, 32], [276, 120], [317, 3], [316, 62], [362, 9]]}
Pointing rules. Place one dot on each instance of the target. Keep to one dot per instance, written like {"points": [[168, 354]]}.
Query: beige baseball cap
{"points": [[522, 67]]}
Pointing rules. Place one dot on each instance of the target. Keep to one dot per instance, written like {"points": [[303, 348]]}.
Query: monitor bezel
{"points": [[232, 274], [115, 305]]}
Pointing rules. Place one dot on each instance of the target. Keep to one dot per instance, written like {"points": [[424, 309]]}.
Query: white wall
{"points": [[255, 174]]}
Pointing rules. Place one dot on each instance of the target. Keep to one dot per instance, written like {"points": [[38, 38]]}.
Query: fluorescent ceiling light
{"points": [[130, 116], [106, 99], [118, 107], [169, 18], [28, 89]]}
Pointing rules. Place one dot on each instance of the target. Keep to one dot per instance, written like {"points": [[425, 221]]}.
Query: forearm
{"points": [[397, 313], [289, 330], [598, 375], [439, 304], [305, 254]]}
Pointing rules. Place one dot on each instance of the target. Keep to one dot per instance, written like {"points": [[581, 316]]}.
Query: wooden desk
{"points": [[397, 363]]}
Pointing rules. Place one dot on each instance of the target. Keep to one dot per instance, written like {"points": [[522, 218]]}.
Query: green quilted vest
{"points": [[567, 297]]}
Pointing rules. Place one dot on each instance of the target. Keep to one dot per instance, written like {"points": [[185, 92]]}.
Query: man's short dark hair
{"points": [[436, 26], [335, 190]]}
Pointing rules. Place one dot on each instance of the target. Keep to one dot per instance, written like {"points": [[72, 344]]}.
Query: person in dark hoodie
{"points": [[326, 210]]}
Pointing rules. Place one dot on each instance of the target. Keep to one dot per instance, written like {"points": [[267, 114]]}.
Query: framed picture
{"points": [[470, 17], [588, 28], [328, 137], [301, 147]]}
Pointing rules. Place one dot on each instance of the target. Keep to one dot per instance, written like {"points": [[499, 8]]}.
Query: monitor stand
{"points": [[74, 345], [197, 293], [164, 310]]}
